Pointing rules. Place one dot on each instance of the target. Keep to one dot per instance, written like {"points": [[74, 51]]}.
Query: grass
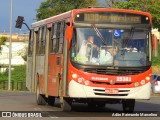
{"points": [[18, 76], [19, 73]]}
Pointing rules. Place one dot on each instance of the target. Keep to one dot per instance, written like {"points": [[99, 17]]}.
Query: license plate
{"points": [[111, 91]]}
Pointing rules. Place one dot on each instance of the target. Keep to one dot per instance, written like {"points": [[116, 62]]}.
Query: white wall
{"points": [[18, 48]]}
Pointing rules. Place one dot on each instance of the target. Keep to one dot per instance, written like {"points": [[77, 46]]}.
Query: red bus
{"points": [[93, 55]]}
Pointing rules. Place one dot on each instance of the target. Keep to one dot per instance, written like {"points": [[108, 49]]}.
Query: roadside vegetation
{"points": [[18, 73], [2, 41], [18, 78], [156, 60]]}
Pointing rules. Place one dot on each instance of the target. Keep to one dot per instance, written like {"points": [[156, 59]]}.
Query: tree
{"points": [[112, 2], [2, 40], [151, 6], [23, 53], [54, 7]]}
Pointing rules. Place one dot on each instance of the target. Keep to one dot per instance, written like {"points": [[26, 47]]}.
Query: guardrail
{"points": [[15, 85]]}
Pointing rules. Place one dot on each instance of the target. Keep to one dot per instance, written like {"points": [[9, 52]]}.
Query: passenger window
{"points": [[57, 37]]}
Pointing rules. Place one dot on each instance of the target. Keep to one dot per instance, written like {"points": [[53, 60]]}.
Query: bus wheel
{"points": [[40, 98], [128, 105], [66, 104], [51, 100], [91, 104], [101, 104]]}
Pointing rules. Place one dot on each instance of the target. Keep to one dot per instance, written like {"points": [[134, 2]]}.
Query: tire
{"points": [[51, 100], [66, 105], [39, 98], [128, 105], [101, 104], [91, 104]]}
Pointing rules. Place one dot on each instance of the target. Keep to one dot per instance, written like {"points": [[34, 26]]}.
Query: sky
{"points": [[26, 8]]}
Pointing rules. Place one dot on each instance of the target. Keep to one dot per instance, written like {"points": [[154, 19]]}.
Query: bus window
{"points": [[30, 48], [53, 38], [62, 28], [58, 36], [37, 42], [42, 40]]}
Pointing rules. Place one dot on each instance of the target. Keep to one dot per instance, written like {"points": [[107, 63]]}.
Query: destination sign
{"points": [[111, 18]]}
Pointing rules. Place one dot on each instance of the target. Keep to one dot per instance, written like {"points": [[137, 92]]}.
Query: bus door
{"points": [[40, 57], [55, 58], [29, 71]]}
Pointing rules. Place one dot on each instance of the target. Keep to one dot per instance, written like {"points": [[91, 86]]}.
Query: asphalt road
{"points": [[20, 102]]}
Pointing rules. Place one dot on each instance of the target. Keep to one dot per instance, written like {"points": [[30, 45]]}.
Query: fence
{"points": [[15, 85]]}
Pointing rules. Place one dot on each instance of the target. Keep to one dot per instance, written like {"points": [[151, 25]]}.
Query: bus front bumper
{"points": [[77, 90]]}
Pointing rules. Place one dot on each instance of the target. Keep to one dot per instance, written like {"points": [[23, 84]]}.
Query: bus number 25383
{"points": [[124, 79]]}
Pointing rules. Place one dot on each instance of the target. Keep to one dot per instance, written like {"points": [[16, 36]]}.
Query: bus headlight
{"points": [[136, 84], [74, 75], [142, 82], [147, 78]]}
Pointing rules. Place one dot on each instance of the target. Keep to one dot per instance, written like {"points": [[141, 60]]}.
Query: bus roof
{"points": [[74, 11], [51, 19], [112, 10]]}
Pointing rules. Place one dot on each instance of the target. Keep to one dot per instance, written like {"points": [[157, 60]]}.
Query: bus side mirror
{"points": [[69, 32]]}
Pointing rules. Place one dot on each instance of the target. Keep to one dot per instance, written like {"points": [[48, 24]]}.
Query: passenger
{"points": [[88, 48], [106, 56]]}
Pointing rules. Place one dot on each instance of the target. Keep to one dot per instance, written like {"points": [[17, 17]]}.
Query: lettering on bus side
{"points": [[99, 78]]}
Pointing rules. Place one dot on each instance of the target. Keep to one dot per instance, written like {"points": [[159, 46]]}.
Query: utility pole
{"points": [[10, 47]]}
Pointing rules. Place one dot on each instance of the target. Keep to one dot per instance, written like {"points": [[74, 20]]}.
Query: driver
{"points": [[88, 48]]}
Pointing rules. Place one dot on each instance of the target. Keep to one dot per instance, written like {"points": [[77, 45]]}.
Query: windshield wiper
{"points": [[130, 35], [99, 34]]}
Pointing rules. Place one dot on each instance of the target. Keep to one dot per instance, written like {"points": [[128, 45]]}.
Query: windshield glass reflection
{"points": [[109, 47]]}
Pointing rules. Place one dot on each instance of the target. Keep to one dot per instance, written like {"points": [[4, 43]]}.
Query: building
{"points": [[19, 48]]}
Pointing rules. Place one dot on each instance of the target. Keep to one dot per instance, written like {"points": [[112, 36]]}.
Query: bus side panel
{"points": [[40, 71], [52, 76], [29, 73]]}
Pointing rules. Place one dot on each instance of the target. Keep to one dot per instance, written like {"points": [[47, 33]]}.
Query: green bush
{"points": [[156, 60], [18, 74]]}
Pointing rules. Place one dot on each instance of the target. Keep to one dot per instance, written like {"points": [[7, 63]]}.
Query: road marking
{"points": [[53, 117], [37, 109]]}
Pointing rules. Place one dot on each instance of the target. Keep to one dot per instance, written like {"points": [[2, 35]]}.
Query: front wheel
{"points": [[91, 104], [101, 104], [51, 100], [128, 105], [39, 98], [66, 104]]}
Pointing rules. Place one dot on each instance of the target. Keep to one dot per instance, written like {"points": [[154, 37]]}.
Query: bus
{"points": [[114, 67]]}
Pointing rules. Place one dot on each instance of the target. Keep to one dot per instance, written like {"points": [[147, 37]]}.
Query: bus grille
{"points": [[103, 94], [107, 83], [112, 71]]}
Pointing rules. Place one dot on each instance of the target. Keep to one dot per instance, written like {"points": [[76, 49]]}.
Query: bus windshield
{"points": [[110, 47]]}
